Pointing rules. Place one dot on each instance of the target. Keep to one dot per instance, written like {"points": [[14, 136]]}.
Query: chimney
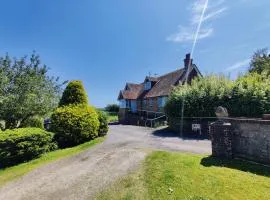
{"points": [[188, 61]]}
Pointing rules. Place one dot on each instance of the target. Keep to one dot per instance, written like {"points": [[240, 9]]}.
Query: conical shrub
{"points": [[74, 94]]}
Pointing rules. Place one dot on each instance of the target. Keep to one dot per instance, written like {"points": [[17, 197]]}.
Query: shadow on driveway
{"points": [[113, 123], [166, 132]]}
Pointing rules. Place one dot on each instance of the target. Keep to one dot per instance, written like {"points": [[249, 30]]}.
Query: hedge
{"points": [[24, 144], [248, 96], [200, 98], [74, 124]]}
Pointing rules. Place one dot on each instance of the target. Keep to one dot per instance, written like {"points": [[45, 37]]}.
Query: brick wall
{"points": [[250, 139]]}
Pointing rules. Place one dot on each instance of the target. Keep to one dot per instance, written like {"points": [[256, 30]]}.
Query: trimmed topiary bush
{"points": [[36, 122], [74, 124], [24, 144], [74, 94], [103, 123]]}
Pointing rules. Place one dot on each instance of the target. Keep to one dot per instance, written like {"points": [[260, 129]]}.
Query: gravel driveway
{"points": [[82, 175]]}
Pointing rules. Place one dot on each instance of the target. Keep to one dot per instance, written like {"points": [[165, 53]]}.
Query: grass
{"points": [[166, 175], [17, 171], [112, 117]]}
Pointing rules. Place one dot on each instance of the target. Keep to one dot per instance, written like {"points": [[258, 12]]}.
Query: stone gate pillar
{"points": [[221, 137]]}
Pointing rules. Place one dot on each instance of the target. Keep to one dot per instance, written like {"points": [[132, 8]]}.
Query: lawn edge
{"points": [[12, 173]]}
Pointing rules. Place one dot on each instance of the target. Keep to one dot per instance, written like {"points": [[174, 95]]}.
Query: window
{"points": [[150, 102], [162, 101], [125, 103], [159, 102], [144, 104], [133, 107], [147, 85], [122, 103], [128, 103]]}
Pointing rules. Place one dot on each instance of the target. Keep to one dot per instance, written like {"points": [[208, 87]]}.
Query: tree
{"points": [[74, 94], [26, 89], [112, 108], [260, 62]]}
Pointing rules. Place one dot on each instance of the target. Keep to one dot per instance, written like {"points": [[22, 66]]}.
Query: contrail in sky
{"points": [[191, 56]]}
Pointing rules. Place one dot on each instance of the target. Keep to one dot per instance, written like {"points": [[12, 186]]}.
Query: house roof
{"points": [[163, 85], [132, 91], [150, 78]]}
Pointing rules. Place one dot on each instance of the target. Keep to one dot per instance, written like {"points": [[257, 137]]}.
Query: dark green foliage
{"points": [[260, 62], [248, 96], [74, 124], [200, 98], [74, 94], [26, 89], [35, 121], [103, 123], [112, 108], [23, 144]]}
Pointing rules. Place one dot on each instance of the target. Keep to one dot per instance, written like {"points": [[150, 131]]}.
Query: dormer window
{"points": [[147, 85]]}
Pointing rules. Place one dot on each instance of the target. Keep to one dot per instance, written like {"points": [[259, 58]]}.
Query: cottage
{"points": [[147, 99]]}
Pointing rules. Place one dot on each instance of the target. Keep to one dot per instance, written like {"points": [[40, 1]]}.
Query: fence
{"points": [[191, 126]]}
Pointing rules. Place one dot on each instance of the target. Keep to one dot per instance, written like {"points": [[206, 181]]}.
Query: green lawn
{"points": [[17, 171], [166, 175], [112, 117]]}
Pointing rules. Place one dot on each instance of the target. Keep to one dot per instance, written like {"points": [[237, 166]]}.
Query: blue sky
{"points": [[106, 43]]}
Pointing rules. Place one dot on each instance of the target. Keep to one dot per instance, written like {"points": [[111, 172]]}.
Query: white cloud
{"points": [[214, 14], [238, 65], [186, 34]]}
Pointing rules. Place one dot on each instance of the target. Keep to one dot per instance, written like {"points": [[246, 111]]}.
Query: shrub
{"points": [[112, 108], [23, 144], [248, 96], [74, 94], [200, 98], [36, 122], [74, 125], [103, 123]]}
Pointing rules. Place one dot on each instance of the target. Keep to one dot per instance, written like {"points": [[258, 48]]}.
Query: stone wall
{"points": [[245, 138]]}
